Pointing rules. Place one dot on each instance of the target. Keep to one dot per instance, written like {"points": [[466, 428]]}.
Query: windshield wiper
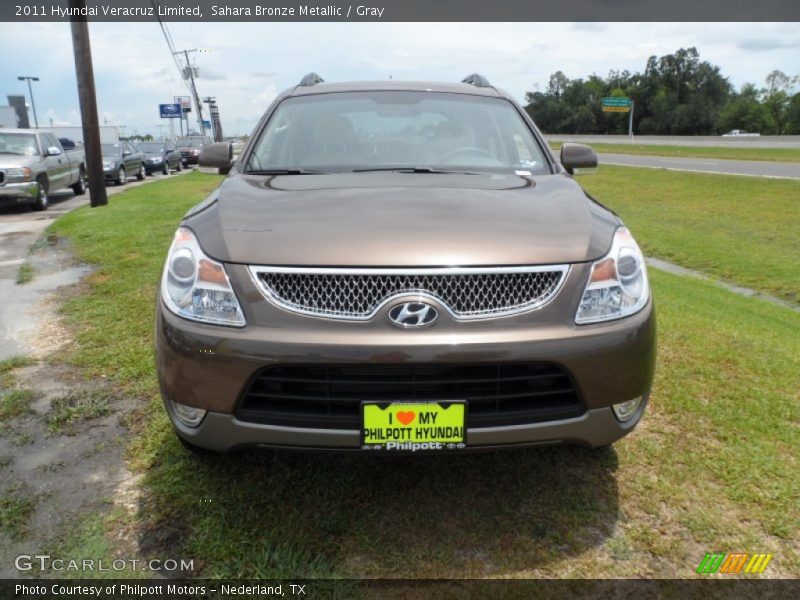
{"points": [[415, 170], [285, 172]]}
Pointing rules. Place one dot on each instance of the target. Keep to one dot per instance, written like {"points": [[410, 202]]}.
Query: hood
{"points": [[13, 161], [154, 155], [402, 219]]}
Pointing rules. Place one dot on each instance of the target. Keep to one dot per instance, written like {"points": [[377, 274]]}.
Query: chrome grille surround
{"points": [[353, 294]]}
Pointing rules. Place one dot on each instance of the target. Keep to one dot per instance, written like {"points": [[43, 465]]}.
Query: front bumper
{"points": [[19, 192], [223, 432], [190, 159], [211, 367], [154, 166]]}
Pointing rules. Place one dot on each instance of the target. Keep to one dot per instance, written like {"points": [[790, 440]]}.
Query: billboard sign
{"points": [[170, 111]]}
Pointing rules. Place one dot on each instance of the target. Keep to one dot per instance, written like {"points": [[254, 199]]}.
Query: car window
{"points": [[402, 129], [51, 140], [18, 143], [111, 149]]}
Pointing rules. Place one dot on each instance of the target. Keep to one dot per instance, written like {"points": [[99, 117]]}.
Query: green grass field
{"points": [[711, 468], [745, 230], [737, 153]]}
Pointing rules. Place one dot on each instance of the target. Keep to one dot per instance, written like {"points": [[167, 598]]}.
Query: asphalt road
{"points": [[19, 228], [706, 165]]}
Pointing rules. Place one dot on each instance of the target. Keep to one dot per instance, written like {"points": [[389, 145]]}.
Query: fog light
{"points": [[625, 410], [188, 415]]}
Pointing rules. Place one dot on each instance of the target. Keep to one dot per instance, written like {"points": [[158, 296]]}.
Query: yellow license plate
{"points": [[413, 426]]}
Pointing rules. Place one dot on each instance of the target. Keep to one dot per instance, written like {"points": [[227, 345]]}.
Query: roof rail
{"points": [[476, 80], [311, 79]]}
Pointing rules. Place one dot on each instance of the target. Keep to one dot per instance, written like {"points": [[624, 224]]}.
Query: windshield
{"points": [[111, 149], [151, 147], [18, 143], [191, 142], [377, 130]]}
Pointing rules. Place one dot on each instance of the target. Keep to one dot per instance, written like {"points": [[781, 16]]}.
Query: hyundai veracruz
{"points": [[402, 267]]}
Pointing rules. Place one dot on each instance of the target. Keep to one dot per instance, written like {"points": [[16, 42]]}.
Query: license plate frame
{"points": [[423, 432]]}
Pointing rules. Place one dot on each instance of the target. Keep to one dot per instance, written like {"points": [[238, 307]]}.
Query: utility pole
{"points": [[87, 96], [190, 73], [30, 91], [216, 124], [630, 122]]}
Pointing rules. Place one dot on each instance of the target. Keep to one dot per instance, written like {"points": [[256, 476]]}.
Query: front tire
{"points": [[80, 186], [165, 168], [42, 199], [140, 175], [180, 166], [122, 177]]}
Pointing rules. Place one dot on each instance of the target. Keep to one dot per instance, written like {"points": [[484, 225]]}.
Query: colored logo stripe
{"points": [[734, 563]]}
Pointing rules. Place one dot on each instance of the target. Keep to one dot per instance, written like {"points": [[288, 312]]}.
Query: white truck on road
{"points": [[33, 164]]}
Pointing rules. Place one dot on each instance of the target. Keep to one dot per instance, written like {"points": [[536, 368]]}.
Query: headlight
{"points": [[108, 164], [18, 175], [617, 285], [196, 287]]}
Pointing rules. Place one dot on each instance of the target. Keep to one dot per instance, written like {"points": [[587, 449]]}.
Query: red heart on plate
{"points": [[405, 416]]}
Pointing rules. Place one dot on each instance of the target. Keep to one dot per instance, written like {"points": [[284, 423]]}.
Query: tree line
{"points": [[677, 94]]}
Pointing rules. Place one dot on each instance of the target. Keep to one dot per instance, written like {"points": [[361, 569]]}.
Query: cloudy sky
{"points": [[247, 64]]}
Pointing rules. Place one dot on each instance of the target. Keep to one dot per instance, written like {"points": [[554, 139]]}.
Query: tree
{"points": [[777, 99]]}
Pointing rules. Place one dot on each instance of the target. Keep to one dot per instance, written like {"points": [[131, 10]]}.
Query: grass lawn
{"points": [[745, 230], [713, 466], [736, 153]]}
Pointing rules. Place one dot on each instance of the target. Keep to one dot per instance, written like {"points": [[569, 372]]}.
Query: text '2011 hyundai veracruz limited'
{"points": [[402, 267]]}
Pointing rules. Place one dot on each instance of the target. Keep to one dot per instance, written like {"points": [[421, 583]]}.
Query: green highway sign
{"points": [[617, 102]]}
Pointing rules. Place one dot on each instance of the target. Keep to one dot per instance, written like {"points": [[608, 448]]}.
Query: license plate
{"points": [[413, 426]]}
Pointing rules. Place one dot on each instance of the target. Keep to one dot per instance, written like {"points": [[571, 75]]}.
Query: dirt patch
{"points": [[62, 458]]}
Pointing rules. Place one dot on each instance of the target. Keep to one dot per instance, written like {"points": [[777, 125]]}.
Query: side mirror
{"points": [[126, 153], [578, 159], [53, 151], [219, 155]]}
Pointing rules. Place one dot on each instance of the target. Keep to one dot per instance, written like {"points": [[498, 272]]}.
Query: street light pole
{"points": [[30, 91]]}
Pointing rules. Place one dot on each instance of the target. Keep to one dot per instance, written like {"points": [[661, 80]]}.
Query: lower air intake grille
{"points": [[330, 396]]}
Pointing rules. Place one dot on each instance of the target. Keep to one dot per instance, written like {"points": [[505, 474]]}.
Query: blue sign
{"points": [[170, 111], [207, 124]]}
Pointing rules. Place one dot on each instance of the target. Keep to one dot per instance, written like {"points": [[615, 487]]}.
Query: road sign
{"points": [[206, 124], [615, 104], [184, 101], [170, 111]]}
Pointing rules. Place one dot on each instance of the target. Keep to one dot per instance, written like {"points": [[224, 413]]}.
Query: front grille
{"points": [[467, 293], [330, 396]]}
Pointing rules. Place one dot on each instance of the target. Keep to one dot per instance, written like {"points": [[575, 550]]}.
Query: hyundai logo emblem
{"points": [[413, 314]]}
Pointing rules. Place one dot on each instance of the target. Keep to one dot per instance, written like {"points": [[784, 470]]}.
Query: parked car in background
{"points": [[160, 156], [740, 133], [33, 164], [402, 266], [190, 147], [121, 160]]}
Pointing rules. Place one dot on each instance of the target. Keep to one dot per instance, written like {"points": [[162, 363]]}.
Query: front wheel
{"points": [[42, 199], [140, 175], [180, 166], [122, 177], [79, 187], [165, 168]]}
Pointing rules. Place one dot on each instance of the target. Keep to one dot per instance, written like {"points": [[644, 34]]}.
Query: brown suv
{"points": [[402, 267]]}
